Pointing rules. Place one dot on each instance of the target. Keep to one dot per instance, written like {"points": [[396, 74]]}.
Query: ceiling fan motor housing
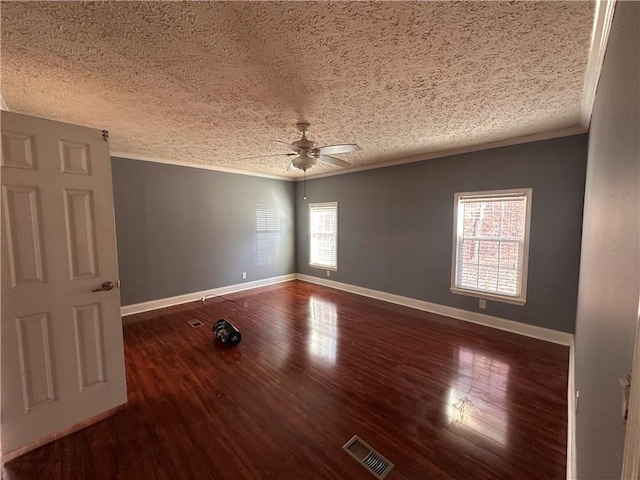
{"points": [[303, 126], [304, 143], [308, 155]]}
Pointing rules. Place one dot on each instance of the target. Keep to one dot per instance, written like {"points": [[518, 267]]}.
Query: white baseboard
{"points": [[533, 331], [190, 297], [541, 333]]}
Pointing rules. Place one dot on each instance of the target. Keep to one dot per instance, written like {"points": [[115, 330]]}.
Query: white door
{"points": [[61, 349]]}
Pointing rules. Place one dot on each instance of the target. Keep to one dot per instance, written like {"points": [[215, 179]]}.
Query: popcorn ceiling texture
{"points": [[211, 83]]}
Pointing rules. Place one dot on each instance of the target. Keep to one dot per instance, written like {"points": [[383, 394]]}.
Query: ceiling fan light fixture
{"points": [[304, 161]]}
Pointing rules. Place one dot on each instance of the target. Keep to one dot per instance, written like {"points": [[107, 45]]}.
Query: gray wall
{"points": [[182, 230], [610, 271], [395, 225]]}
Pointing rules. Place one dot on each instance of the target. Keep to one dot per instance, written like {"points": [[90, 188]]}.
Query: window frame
{"points": [[515, 300], [319, 265]]}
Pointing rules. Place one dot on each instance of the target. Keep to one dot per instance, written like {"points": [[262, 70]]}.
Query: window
{"points": [[267, 234], [323, 235], [491, 244]]}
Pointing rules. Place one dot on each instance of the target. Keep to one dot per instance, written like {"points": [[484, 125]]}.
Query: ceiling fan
{"points": [[307, 154]]}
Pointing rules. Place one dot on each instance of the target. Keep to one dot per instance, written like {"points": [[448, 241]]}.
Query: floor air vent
{"points": [[368, 457], [195, 323]]}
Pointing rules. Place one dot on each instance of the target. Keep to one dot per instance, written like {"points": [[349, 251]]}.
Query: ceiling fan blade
{"points": [[333, 161], [291, 167], [274, 155], [288, 145], [333, 149]]}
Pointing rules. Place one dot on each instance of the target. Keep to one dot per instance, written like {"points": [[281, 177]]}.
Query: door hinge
{"points": [[105, 135]]}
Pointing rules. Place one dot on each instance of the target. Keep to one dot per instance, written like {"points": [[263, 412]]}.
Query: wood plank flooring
{"points": [[440, 398]]}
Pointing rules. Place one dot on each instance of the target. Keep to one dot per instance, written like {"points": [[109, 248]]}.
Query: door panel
{"points": [[75, 157], [89, 345], [79, 215], [17, 151], [61, 349], [22, 220], [34, 345]]}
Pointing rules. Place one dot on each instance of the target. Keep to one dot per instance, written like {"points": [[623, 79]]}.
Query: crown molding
{"points": [[563, 132], [599, 38], [145, 158]]}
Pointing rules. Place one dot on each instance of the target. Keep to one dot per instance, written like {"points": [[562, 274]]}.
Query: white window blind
{"points": [[267, 233], [491, 236], [323, 235]]}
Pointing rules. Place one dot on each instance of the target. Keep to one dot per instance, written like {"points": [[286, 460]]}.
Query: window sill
{"points": [[323, 267], [488, 296]]}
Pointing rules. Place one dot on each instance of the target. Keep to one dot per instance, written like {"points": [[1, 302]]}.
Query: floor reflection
{"points": [[323, 330], [280, 334], [477, 398]]}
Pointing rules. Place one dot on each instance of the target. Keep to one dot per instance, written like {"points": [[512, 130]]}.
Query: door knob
{"points": [[104, 286]]}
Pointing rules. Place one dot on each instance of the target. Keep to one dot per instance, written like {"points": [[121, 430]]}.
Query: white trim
{"points": [[599, 38], [572, 405], [631, 458], [541, 333], [527, 193], [333, 268], [323, 267], [145, 158], [191, 297], [536, 137], [487, 296]]}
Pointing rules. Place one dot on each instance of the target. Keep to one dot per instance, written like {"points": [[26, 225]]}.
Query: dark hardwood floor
{"points": [[439, 398]]}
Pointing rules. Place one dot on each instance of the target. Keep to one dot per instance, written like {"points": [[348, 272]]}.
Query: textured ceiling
{"points": [[212, 82]]}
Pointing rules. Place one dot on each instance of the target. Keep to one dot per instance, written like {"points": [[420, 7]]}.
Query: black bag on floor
{"points": [[226, 332]]}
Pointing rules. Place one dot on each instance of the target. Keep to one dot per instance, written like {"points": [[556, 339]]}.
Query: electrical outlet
{"points": [[244, 275], [328, 273], [482, 303]]}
